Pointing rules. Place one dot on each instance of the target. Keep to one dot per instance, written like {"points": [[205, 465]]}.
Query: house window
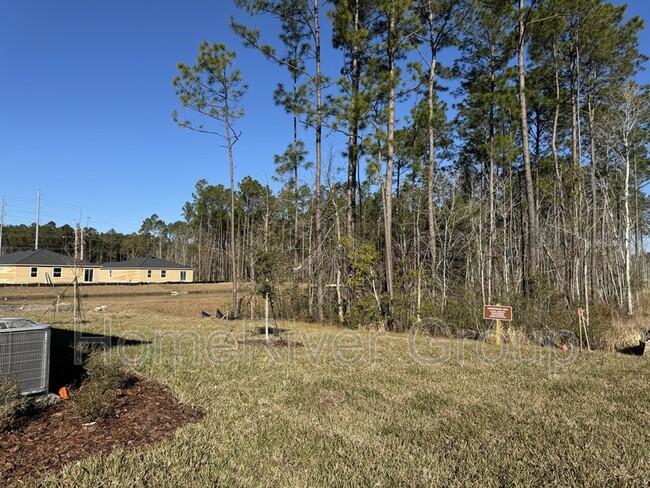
{"points": [[183, 275], [56, 272], [163, 273], [148, 273], [34, 273], [88, 275]]}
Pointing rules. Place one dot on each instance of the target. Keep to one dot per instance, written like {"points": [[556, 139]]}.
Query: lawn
{"points": [[369, 409]]}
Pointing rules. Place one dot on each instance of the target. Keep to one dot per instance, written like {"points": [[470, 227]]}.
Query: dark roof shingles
{"points": [[41, 257], [148, 262]]}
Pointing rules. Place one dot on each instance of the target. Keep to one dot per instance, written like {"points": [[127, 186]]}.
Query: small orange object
{"points": [[63, 393]]}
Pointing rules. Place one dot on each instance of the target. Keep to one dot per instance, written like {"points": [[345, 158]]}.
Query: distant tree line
{"points": [[95, 246]]}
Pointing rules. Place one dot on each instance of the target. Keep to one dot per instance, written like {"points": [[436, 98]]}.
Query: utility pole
{"points": [[2, 220], [38, 217], [81, 242], [77, 314]]}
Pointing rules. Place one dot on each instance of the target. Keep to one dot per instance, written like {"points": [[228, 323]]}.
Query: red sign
{"points": [[497, 312]]}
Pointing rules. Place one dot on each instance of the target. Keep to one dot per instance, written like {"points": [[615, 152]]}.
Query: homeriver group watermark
{"points": [[427, 343]]}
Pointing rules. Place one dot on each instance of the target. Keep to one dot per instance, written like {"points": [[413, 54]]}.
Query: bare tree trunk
{"points": [[233, 240], [320, 284], [626, 242], [594, 201], [353, 136], [388, 192], [637, 222], [492, 210], [560, 210], [431, 167], [533, 233]]}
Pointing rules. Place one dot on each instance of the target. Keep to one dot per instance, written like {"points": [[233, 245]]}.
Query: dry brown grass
{"points": [[622, 334], [128, 301]]}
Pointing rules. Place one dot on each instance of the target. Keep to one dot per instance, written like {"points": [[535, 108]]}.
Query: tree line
{"points": [[101, 247], [522, 184], [529, 188]]}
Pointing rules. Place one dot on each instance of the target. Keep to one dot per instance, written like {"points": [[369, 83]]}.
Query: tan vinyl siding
{"points": [[137, 275], [21, 275]]}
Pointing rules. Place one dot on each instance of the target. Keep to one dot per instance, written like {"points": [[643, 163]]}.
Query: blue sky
{"points": [[85, 104]]}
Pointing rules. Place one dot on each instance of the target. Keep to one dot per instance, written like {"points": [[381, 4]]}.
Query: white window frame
{"points": [[33, 272]]}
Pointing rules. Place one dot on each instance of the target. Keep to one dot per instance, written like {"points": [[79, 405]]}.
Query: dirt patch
{"points": [[33, 307], [146, 413]]}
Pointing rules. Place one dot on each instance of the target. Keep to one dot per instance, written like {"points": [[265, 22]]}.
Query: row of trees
{"points": [[529, 186], [527, 189], [155, 238]]}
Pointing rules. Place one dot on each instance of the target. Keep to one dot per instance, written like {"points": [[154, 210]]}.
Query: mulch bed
{"points": [[146, 413]]}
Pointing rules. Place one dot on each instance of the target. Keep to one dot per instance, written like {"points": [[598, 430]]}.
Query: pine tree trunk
{"points": [[594, 202], [388, 191], [320, 284], [431, 167], [533, 233]]}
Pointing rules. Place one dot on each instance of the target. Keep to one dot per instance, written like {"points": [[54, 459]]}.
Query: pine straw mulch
{"points": [[146, 413]]}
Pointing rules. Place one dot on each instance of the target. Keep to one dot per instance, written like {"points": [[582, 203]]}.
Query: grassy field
{"points": [[367, 408]]}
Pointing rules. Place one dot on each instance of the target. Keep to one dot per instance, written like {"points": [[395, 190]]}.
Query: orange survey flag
{"points": [[63, 393]]}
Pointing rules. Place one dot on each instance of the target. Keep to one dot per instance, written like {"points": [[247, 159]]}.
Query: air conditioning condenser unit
{"points": [[25, 354]]}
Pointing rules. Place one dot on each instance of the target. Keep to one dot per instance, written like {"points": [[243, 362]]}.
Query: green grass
{"points": [[368, 413]]}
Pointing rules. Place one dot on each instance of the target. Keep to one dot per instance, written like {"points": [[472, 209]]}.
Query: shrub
{"points": [[96, 398], [92, 403], [12, 402], [105, 370]]}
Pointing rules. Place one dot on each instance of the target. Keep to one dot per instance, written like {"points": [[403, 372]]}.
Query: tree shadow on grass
{"points": [[68, 351]]}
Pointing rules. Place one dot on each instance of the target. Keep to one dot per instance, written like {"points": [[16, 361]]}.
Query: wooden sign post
{"points": [[584, 321], [497, 312]]}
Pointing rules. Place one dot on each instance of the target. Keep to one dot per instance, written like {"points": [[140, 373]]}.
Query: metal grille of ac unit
{"points": [[25, 353]]}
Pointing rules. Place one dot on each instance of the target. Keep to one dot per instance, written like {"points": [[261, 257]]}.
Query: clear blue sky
{"points": [[85, 104]]}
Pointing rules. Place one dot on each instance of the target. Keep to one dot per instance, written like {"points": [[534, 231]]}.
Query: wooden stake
{"points": [[580, 326], [339, 298], [266, 316], [498, 330]]}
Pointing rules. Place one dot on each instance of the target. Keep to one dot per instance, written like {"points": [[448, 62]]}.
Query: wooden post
{"points": [[498, 330], [580, 326], [266, 316], [584, 321], [339, 298]]}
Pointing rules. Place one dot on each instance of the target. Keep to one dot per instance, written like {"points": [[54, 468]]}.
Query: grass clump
{"points": [[12, 402]]}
